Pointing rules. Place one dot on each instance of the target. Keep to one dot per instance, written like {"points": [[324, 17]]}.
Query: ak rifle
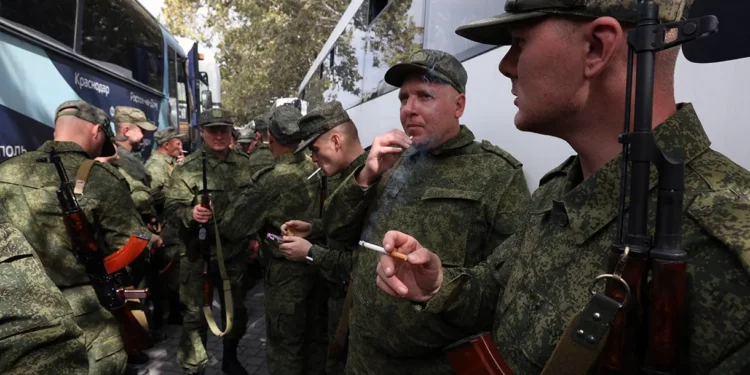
{"points": [[104, 272], [649, 328]]}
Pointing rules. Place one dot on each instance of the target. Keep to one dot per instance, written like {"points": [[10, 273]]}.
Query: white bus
{"points": [[374, 34]]}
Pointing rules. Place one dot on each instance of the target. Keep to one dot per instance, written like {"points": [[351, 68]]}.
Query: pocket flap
{"points": [[441, 193]]}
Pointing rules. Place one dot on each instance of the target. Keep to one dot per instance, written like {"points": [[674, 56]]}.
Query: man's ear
{"points": [[460, 105], [337, 141], [605, 38]]}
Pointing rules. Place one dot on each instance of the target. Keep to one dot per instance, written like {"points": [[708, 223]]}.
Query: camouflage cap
{"points": [[247, 135], [284, 125], [437, 63], [130, 115], [167, 134], [320, 120], [495, 30], [261, 122], [215, 117], [92, 114]]}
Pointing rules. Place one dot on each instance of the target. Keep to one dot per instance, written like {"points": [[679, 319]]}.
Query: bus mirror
{"points": [[206, 101]]}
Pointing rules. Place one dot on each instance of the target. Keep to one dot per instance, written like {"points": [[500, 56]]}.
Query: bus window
{"points": [[173, 71], [444, 16], [125, 38], [55, 19], [183, 109]]}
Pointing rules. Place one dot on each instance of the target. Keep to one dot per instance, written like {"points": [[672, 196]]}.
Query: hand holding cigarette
{"points": [[417, 278]]}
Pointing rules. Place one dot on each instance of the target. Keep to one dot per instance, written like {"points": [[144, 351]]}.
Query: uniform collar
{"points": [[359, 160], [290, 158], [162, 156], [464, 137], [592, 204]]}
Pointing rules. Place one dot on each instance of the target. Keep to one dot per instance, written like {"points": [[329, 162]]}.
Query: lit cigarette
{"points": [[314, 173], [379, 249]]}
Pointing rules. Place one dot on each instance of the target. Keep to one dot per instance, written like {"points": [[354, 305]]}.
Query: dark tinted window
{"points": [[55, 19], [172, 73], [121, 33]]}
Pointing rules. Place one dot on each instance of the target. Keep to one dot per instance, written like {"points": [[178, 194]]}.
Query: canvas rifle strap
{"points": [[584, 338], [82, 175], [226, 287]]}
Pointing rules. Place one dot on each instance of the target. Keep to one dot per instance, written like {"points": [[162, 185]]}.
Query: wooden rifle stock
{"points": [[476, 355]]}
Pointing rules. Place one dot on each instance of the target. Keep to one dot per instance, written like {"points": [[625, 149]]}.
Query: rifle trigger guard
{"points": [[614, 277]]}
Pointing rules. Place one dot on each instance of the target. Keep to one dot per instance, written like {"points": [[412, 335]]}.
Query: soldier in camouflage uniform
{"points": [[247, 139], [160, 165], [27, 191], [568, 233], [37, 331], [261, 156], [462, 197], [130, 123], [336, 148], [293, 298], [227, 174]]}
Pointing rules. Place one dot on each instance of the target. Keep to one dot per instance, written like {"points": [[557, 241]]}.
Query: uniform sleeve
{"points": [[469, 296], [247, 214], [159, 179], [346, 225], [335, 265], [178, 206], [141, 196], [37, 331], [116, 214]]}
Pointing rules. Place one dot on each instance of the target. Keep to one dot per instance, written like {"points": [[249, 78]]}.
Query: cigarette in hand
{"points": [[379, 249]]}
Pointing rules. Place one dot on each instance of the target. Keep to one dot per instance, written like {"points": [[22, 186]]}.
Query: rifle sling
{"points": [[227, 289], [342, 330], [584, 338], [82, 175]]}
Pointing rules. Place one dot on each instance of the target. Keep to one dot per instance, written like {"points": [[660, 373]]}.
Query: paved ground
{"points": [[251, 353]]}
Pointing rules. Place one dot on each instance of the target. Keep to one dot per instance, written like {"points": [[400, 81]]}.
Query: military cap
{"points": [[92, 114], [132, 115], [247, 135], [284, 125], [437, 63], [261, 122], [320, 120], [495, 30], [167, 134], [235, 134], [215, 117]]}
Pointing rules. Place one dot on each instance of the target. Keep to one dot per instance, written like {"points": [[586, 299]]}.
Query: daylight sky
{"points": [[154, 6]]}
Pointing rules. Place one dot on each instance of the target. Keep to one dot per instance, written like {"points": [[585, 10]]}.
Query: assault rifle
{"points": [[104, 273]]}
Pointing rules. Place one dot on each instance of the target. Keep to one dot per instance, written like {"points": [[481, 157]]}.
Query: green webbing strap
{"points": [[226, 287]]}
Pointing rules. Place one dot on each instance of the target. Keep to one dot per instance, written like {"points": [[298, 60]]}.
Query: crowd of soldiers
{"points": [[291, 201]]}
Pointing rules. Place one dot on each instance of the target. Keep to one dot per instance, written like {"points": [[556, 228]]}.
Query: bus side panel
{"points": [[36, 81]]}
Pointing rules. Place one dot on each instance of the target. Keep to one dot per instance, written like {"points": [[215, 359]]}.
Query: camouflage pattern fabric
{"points": [[226, 179], [141, 195], [167, 134], [132, 164], [131, 115], [495, 30], [260, 158], [566, 243], [433, 62], [37, 331], [320, 120], [294, 302], [27, 191], [92, 114], [458, 199], [334, 261], [159, 166], [284, 127]]}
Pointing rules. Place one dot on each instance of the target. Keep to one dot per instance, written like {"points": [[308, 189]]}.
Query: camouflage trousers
{"points": [[104, 346], [191, 353], [335, 307], [295, 306]]}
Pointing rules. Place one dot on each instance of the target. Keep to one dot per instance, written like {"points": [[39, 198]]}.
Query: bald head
{"points": [[87, 135], [348, 133]]}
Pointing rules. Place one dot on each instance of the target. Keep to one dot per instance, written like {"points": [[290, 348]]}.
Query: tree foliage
{"points": [[267, 46]]}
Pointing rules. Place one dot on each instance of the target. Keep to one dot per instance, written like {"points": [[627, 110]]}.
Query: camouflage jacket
{"points": [[565, 244], [225, 178], [159, 166], [37, 331], [458, 199], [261, 157], [278, 193], [132, 164], [27, 191], [141, 195], [335, 259]]}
